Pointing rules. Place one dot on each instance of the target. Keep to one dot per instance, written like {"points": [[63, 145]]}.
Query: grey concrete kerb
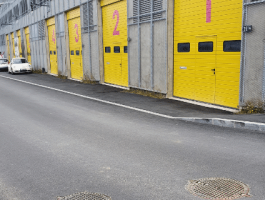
{"points": [[227, 123]]}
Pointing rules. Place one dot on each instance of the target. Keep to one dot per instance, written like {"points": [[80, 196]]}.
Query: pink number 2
{"points": [[115, 32], [76, 39]]}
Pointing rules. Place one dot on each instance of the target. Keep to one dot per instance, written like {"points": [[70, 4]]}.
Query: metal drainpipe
{"points": [[89, 40], [243, 45], [152, 51], [139, 46]]}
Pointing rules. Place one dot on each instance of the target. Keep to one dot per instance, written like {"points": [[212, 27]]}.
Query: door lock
{"points": [[213, 71]]}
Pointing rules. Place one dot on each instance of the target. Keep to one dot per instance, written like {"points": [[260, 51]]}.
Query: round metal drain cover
{"points": [[85, 196], [218, 188]]}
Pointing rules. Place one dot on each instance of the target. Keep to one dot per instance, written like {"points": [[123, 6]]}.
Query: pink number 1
{"points": [[208, 11], [115, 32]]}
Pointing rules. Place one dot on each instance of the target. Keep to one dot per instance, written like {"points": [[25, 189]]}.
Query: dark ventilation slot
{"points": [[205, 46], [232, 46], [117, 49], [107, 49], [183, 47], [125, 49]]}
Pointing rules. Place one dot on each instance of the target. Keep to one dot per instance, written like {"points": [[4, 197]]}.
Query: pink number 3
{"points": [[53, 37], [115, 32], [76, 39]]}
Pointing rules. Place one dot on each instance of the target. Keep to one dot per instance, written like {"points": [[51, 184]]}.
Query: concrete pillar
{"points": [[100, 43], [67, 60], [47, 48], [170, 44]]}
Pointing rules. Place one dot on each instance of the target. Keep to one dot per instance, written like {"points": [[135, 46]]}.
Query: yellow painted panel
{"points": [[13, 44], [52, 49], [19, 43], [28, 44], [27, 30], [73, 13], [115, 36], [219, 18], [107, 2], [75, 45], [51, 21], [8, 47]]}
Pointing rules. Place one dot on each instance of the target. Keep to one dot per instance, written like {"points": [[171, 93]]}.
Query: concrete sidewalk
{"points": [[172, 108]]}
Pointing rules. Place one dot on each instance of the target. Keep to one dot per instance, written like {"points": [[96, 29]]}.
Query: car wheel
{"points": [[12, 71], [8, 71]]}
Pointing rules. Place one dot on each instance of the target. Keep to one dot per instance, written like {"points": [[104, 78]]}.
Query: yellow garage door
{"points": [[115, 41], [13, 44], [8, 47], [52, 45], [28, 44], [19, 43], [207, 42], [75, 43]]}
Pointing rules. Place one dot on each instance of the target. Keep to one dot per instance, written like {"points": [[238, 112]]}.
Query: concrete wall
{"points": [[148, 52], [90, 46], [254, 46]]}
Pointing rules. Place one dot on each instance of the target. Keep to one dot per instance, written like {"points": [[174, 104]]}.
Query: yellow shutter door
{"points": [[28, 44], [75, 43], [115, 42], [13, 42], [8, 48], [19, 43], [52, 45], [211, 77]]}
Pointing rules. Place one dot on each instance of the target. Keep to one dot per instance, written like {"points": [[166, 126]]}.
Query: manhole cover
{"points": [[85, 196], [218, 188]]}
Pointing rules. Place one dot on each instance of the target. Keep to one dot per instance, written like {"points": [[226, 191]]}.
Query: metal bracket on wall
{"points": [[41, 4], [5, 24], [247, 29]]}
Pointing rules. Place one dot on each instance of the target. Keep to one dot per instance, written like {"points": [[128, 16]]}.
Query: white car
{"points": [[3, 64], [19, 65]]}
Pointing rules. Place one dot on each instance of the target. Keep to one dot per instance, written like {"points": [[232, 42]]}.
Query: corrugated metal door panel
{"points": [[52, 48], [115, 37], [205, 63], [75, 45], [202, 18]]}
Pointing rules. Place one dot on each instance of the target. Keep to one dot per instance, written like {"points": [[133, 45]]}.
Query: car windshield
{"points": [[3, 61], [19, 61]]}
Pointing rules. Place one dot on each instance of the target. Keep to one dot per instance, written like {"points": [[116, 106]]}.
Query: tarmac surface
{"points": [[56, 144]]}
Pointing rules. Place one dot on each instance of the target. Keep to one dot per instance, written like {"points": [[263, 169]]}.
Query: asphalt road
{"points": [[55, 144]]}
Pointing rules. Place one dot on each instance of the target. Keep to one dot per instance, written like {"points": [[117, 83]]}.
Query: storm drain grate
{"points": [[218, 188], [85, 196]]}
